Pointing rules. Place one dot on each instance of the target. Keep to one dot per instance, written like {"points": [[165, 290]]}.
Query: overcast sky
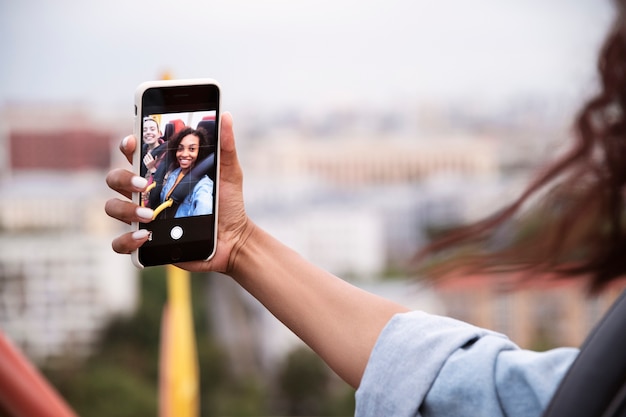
{"points": [[305, 53]]}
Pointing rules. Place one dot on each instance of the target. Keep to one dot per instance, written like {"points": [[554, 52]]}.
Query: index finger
{"points": [[127, 146]]}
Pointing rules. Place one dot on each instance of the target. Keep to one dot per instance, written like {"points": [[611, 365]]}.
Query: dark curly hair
{"points": [[576, 226], [205, 146]]}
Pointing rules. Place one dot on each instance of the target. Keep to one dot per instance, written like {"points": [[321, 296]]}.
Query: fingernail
{"points": [[139, 182], [125, 141], [144, 213], [141, 234]]}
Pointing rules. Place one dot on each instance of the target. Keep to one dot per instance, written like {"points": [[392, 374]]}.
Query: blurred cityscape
{"points": [[355, 190]]}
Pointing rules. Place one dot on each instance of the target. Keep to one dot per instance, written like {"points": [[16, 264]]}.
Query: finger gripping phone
{"points": [[177, 124]]}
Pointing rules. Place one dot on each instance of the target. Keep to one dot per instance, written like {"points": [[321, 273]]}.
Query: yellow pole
{"points": [[178, 367], [179, 381]]}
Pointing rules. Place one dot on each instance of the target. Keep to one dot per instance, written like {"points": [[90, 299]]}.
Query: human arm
{"points": [[336, 319], [339, 321]]}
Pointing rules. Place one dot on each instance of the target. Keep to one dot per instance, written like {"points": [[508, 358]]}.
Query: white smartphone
{"points": [[177, 123]]}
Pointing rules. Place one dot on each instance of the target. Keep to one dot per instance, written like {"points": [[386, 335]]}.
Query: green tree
{"points": [[121, 377], [308, 388]]}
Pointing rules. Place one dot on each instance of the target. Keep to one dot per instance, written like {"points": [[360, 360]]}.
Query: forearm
{"points": [[336, 319]]}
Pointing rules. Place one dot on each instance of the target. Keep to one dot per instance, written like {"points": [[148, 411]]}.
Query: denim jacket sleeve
{"points": [[201, 199], [431, 366]]}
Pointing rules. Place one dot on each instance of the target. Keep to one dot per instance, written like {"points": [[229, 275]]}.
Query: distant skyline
{"points": [[278, 54]]}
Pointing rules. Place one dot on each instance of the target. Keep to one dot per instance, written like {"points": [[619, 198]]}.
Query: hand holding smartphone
{"points": [[177, 124]]}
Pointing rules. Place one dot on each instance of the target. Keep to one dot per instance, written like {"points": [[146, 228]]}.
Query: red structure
{"points": [[60, 150], [24, 392]]}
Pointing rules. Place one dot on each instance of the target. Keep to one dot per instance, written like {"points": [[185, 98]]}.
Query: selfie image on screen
{"points": [[178, 160]]}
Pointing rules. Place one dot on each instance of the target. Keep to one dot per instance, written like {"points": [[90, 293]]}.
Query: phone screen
{"points": [[179, 135]]}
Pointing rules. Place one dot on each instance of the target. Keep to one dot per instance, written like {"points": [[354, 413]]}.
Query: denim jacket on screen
{"points": [[198, 201]]}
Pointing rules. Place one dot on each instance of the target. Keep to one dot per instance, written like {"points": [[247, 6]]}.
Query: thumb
{"points": [[228, 153], [227, 140], [227, 135]]}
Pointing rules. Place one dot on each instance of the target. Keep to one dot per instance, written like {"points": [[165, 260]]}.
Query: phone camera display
{"points": [[178, 160]]}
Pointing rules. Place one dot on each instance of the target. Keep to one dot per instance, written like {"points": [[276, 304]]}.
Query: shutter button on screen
{"points": [[176, 232]]}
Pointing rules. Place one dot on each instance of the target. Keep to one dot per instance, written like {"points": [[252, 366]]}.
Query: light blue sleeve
{"points": [[431, 366], [199, 201], [202, 197]]}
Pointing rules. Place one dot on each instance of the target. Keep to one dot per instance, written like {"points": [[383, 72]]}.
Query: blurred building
{"points": [[60, 282], [364, 203], [332, 231], [379, 158], [541, 313]]}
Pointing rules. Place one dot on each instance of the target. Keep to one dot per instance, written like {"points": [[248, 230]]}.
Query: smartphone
{"points": [[177, 123]]}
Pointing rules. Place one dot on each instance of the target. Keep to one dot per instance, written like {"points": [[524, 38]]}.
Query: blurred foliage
{"points": [[303, 381], [306, 389], [121, 377]]}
